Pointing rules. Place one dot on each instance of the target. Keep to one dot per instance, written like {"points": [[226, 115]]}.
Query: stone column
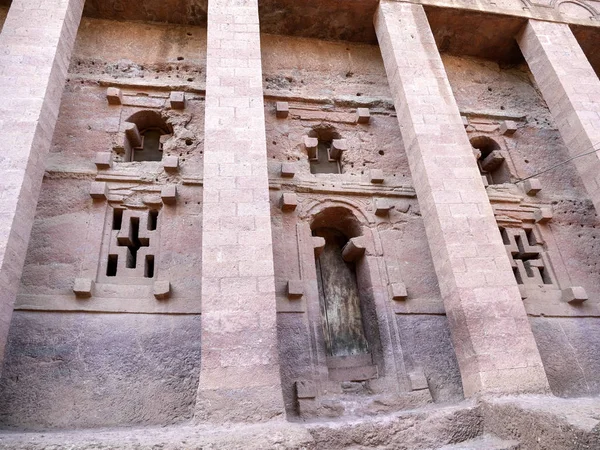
{"points": [[239, 378], [35, 48], [494, 345], [571, 89]]}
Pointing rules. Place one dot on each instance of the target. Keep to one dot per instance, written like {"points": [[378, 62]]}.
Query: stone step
{"points": [[485, 442]]}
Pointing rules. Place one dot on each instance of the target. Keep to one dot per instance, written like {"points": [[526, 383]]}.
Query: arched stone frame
{"points": [[136, 125], [555, 4], [379, 322], [593, 13]]}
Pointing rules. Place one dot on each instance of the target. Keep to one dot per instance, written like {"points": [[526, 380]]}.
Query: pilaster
{"points": [[239, 378], [494, 345], [35, 49], [571, 90]]}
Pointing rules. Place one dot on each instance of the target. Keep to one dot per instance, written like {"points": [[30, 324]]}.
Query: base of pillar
{"points": [[248, 405]]}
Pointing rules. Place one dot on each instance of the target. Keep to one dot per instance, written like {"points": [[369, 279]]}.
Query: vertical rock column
{"points": [[571, 89], [494, 345], [35, 48], [239, 378]]}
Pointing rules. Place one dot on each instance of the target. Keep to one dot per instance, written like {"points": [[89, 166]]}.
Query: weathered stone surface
{"points": [[428, 341], [67, 371]]}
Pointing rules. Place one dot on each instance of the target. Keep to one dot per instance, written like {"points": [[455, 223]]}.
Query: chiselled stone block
{"points": [[133, 134], [376, 176], [289, 201], [542, 215], [83, 287], [399, 291], [282, 110], [177, 100], [532, 186], [306, 389], [288, 170], [98, 190], [574, 295], [114, 96], [363, 115], [485, 181], [295, 289], [168, 194], [311, 145], [171, 163], [338, 146], [492, 161], [382, 207], [318, 244], [417, 379], [354, 249], [103, 160], [402, 206], [508, 127], [162, 289]]}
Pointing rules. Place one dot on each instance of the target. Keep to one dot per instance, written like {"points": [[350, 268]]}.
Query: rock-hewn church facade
{"points": [[282, 224]]}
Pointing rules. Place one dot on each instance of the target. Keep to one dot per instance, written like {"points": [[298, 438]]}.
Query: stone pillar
{"points": [[35, 48], [239, 378], [571, 89], [494, 345]]}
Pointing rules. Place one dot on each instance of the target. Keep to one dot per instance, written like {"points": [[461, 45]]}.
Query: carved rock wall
{"points": [[143, 364]]}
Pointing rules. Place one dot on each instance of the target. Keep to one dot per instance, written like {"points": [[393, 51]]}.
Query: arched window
{"points": [[491, 162], [144, 140]]}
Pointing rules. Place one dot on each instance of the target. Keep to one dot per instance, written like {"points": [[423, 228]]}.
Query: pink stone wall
{"points": [[54, 353], [484, 87], [476, 282], [147, 383]]}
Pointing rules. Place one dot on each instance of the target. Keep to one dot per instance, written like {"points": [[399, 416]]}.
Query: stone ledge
{"points": [[146, 305]]}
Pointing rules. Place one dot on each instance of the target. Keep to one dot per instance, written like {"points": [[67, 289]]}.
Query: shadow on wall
{"points": [[3, 13]]}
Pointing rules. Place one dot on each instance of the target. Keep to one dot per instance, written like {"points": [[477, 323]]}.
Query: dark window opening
{"points": [[117, 219], [111, 267], [149, 268], [152, 219], [151, 149], [323, 163], [517, 275]]}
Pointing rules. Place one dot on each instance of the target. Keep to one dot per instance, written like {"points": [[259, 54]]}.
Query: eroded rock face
{"points": [[82, 370]]}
